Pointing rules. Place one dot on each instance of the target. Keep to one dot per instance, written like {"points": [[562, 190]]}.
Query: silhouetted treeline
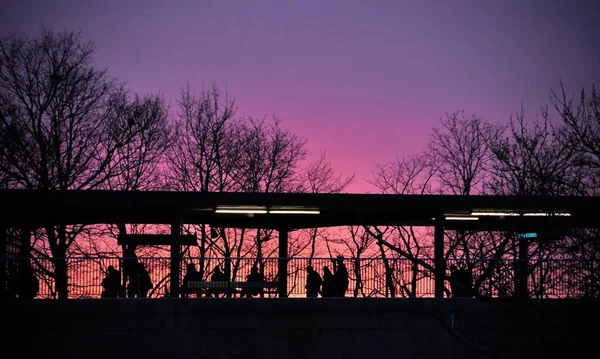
{"points": [[66, 124]]}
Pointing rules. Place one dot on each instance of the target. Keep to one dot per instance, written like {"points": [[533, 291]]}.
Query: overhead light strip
{"points": [[263, 210], [516, 214], [462, 218], [295, 211], [242, 211]]}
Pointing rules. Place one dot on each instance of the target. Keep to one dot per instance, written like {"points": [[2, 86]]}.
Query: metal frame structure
{"points": [[289, 211]]}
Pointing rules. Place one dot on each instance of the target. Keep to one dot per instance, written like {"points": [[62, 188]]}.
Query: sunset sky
{"points": [[364, 80]]}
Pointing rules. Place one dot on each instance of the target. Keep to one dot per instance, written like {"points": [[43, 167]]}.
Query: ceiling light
{"points": [[294, 211], [498, 214], [516, 214], [242, 211], [543, 214], [462, 218]]}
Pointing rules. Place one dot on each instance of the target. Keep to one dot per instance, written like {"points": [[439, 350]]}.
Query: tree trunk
{"points": [[358, 277], [61, 279], [58, 247], [202, 264], [389, 278]]}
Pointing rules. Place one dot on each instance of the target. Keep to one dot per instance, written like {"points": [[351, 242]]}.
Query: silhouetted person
{"points": [[130, 275], [328, 284], [145, 281], [191, 275], [313, 283], [111, 284], [254, 277], [461, 282], [341, 277], [217, 276], [139, 283]]}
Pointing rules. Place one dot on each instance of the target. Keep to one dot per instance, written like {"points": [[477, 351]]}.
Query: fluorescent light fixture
{"points": [[293, 211], [264, 210], [542, 214], [241, 211], [497, 214], [462, 218], [515, 214]]}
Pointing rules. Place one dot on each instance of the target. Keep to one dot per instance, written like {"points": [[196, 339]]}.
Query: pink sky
{"points": [[364, 80]]}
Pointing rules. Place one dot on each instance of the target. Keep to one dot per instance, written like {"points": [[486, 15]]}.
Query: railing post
{"points": [[438, 252], [282, 262], [175, 260]]}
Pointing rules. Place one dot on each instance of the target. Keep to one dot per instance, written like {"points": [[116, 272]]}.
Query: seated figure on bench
{"points": [[217, 276], [254, 277], [191, 275]]}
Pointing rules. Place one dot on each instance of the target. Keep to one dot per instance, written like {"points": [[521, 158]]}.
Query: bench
{"points": [[210, 287]]}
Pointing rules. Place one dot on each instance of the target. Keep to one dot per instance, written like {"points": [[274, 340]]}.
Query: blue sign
{"points": [[527, 235]]}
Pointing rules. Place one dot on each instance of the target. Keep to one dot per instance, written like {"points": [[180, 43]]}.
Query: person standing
{"points": [[313, 283]]}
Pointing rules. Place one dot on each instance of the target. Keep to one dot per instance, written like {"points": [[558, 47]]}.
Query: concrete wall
{"points": [[298, 328]]}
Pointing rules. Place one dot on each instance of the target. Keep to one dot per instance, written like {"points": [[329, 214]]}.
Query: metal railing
{"points": [[368, 277]]}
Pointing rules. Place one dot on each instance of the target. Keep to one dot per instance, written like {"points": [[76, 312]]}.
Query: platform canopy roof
{"points": [[294, 210]]}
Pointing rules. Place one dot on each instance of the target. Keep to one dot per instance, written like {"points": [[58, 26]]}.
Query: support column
{"points": [[175, 261], [25, 245], [282, 262], [521, 269], [3, 262], [438, 252]]}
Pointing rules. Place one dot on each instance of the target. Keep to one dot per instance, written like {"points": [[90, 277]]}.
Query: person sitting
{"points": [[254, 279], [191, 275], [461, 282], [111, 284], [219, 277]]}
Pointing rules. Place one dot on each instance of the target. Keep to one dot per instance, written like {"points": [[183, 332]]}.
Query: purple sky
{"points": [[364, 80]]}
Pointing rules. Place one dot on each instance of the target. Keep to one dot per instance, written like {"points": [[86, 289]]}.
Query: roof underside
{"points": [[39, 208]]}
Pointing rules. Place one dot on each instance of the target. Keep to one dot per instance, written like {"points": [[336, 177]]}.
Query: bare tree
{"points": [[139, 162], [319, 176], [534, 159], [461, 149], [270, 158], [144, 121], [56, 109], [218, 152], [580, 117], [399, 244], [206, 156]]}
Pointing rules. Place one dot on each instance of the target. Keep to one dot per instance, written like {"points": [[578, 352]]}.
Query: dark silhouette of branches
{"points": [[581, 132], [533, 160], [54, 107], [461, 148]]}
